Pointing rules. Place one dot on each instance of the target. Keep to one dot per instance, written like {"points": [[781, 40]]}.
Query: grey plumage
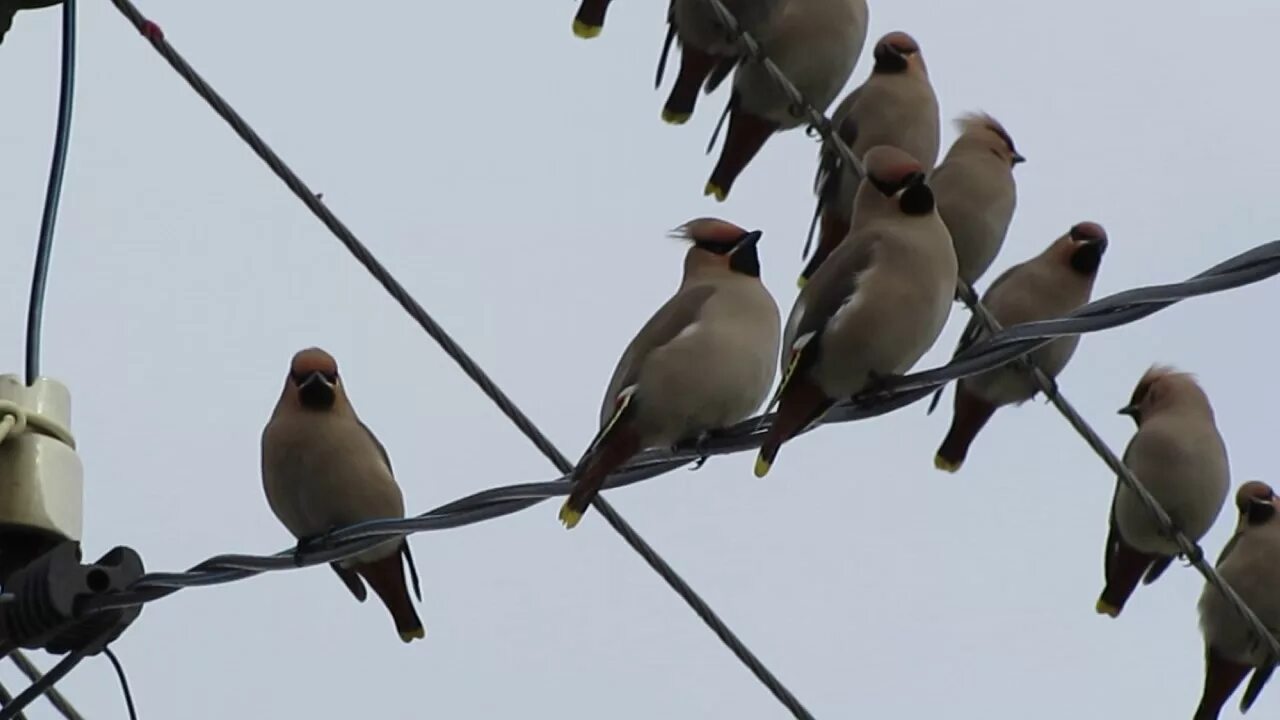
{"points": [[976, 192]]}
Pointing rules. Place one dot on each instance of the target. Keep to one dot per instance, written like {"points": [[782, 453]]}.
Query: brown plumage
{"points": [[1049, 285], [895, 106], [815, 43], [322, 469], [1249, 564], [1180, 458], [702, 362]]}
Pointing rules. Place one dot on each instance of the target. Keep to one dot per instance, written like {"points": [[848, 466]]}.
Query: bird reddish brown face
{"points": [[1089, 244], [1256, 502], [893, 51], [314, 373]]}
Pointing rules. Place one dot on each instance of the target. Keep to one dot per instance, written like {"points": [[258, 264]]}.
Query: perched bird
{"points": [[1047, 286], [708, 53], [815, 43], [702, 362], [874, 307], [589, 21], [895, 106], [976, 192], [322, 469], [10, 8], [1179, 457], [1250, 564]]}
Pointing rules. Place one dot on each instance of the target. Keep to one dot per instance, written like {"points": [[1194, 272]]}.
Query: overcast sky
{"points": [[519, 182]]}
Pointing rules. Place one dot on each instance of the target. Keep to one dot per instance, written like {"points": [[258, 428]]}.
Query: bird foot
{"points": [[700, 447], [878, 382], [305, 546]]}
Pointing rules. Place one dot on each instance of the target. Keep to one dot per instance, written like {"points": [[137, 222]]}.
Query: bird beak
{"points": [[316, 392], [316, 377], [1130, 410], [1018, 159], [749, 240]]}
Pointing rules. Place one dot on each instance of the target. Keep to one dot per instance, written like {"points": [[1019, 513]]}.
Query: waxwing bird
{"points": [[322, 469], [976, 192], [874, 307], [704, 361], [896, 106], [10, 8], [589, 20], [1178, 455], [815, 43], [1049, 285], [707, 51], [1250, 564]]}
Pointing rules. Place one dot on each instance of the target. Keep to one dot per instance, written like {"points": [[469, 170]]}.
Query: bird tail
{"points": [[607, 456], [616, 442], [590, 18], [1124, 569], [386, 577], [746, 135], [800, 403], [1221, 678], [971, 414], [695, 66]]}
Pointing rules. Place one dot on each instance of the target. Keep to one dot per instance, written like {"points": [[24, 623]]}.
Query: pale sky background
{"points": [[519, 182]]}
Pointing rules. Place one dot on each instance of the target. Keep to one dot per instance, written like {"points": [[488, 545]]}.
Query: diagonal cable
{"points": [[362, 254], [57, 699], [822, 125]]}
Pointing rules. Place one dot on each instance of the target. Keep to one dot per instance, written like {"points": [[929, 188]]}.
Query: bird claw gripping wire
{"points": [[700, 446], [51, 608]]}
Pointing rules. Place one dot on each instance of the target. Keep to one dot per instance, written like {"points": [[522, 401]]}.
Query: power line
{"points": [[998, 349], [53, 192], [1004, 346], [44, 684], [124, 682], [822, 125], [39, 282], [6, 698], [362, 254], [57, 699]]}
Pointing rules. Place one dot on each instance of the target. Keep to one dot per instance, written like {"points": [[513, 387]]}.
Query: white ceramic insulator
{"points": [[41, 478]]}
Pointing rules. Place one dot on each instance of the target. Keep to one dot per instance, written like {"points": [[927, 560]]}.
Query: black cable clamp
{"points": [[48, 607]]}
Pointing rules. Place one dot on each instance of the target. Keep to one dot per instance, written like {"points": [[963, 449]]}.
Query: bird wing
{"points": [[972, 332], [831, 288], [673, 318]]}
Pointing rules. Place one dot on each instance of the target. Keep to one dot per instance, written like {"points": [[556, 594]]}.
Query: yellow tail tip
{"points": [[801, 282], [946, 465], [762, 466], [569, 516], [715, 191], [675, 118], [1105, 608], [585, 31], [417, 633]]}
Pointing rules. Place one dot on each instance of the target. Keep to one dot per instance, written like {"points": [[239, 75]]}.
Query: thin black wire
{"points": [[43, 684], [362, 254], [53, 192], [124, 682], [822, 126], [1011, 344], [1109, 312], [39, 283], [6, 698], [57, 699]]}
